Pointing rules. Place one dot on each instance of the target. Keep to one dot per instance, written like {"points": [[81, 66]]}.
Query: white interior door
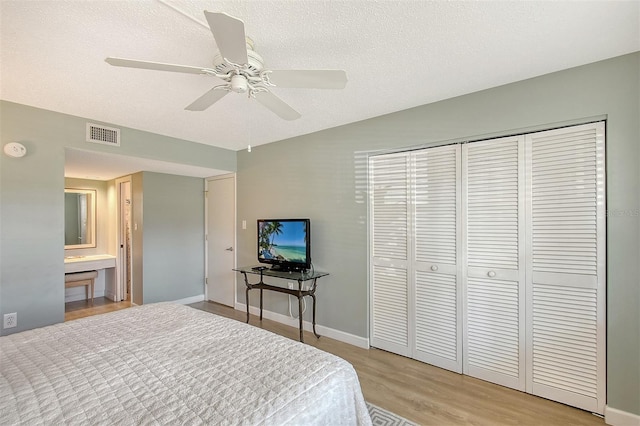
{"points": [[566, 284], [437, 265], [493, 226], [124, 287], [389, 190], [221, 220]]}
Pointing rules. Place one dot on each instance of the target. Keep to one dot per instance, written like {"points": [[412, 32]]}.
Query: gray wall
{"points": [[323, 176], [173, 237], [32, 202]]}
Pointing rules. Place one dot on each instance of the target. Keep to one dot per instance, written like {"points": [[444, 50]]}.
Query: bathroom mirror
{"points": [[79, 218]]}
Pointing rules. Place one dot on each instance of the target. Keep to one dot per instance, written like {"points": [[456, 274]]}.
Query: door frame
{"points": [[206, 233], [119, 254]]}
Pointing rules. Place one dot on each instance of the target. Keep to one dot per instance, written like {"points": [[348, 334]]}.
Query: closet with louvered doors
{"points": [[489, 258], [415, 239]]}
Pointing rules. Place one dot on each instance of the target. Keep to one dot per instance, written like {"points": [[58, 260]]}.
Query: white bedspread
{"points": [[171, 364]]}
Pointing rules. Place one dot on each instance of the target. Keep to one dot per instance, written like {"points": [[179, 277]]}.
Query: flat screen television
{"points": [[285, 243]]}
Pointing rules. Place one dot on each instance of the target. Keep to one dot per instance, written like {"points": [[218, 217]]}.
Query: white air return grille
{"points": [[102, 134]]}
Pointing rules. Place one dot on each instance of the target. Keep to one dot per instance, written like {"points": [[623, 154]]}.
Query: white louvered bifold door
{"points": [[493, 228], [566, 286], [389, 223], [436, 265]]}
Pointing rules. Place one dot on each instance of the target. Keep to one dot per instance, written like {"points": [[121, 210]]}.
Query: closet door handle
{"points": [[434, 268], [491, 274], [229, 249]]}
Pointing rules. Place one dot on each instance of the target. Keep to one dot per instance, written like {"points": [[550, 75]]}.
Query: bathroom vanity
{"points": [[103, 285]]}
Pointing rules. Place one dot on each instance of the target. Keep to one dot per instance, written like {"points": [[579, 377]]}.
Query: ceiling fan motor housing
{"points": [[253, 67], [239, 83], [241, 70]]}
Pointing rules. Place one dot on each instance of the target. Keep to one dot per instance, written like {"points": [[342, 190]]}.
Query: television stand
{"points": [[299, 276]]}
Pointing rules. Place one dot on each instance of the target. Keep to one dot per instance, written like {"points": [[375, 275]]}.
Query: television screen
{"points": [[284, 243]]}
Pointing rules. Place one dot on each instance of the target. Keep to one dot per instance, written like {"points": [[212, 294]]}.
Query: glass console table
{"points": [[299, 292]]}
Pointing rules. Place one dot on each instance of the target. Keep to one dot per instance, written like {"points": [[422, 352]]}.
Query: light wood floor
{"points": [[84, 308], [420, 392]]}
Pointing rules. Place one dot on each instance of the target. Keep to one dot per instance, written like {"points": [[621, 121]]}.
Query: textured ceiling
{"points": [[397, 55]]}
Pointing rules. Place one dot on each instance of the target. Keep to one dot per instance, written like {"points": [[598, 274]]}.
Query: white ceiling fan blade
{"points": [[277, 105], [208, 99], [158, 66], [312, 79], [230, 37]]}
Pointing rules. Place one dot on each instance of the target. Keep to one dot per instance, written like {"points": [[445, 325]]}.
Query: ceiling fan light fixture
{"points": [[241, 70], [239, 84]]}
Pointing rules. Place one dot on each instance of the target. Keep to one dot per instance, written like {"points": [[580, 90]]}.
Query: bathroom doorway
{"points": [[124, 286], [220, 207]]}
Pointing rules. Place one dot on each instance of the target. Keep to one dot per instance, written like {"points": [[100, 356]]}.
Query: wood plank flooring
{"points": [[84, 308], [422, 393]]}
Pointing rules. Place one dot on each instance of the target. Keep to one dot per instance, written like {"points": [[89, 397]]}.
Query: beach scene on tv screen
{"points": [[283, 241]]}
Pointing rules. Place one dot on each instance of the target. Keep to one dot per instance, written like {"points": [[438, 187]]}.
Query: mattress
{"points": [[171, 364]]}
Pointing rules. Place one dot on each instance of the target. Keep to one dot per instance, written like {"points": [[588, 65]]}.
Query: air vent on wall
{"points": [[102, 134]]}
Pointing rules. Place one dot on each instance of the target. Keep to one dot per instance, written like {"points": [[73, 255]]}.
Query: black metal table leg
{"points": [[313, 297], [300, 310], [260, 302], [312, 293], [246, 282]]}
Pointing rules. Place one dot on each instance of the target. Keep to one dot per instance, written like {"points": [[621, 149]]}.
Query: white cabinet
{"points": [[488, 258]]}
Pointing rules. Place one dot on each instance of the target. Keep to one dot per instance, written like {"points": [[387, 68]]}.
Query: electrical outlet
{"points": [[290, 286], [10, 320]]}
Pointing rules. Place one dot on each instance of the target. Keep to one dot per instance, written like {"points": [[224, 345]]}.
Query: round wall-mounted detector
{"points": [[15, 149]]}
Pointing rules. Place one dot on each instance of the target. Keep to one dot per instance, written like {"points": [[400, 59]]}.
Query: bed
{"points": [[166, 363]]}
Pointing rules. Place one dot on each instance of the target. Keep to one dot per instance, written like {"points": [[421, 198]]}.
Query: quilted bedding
{"points": [[171, 364]]}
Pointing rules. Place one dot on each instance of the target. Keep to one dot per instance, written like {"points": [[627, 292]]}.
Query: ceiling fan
{"points": [[241, 70]]}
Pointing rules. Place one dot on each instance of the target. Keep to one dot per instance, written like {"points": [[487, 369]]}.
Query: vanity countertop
{"points": [[89, 262]]}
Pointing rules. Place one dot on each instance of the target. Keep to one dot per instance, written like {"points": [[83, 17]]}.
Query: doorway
{"points": [[220, 205], [124, 286]]}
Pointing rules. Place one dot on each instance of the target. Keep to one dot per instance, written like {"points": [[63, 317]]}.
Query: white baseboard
{"points": [[615, 417], [192, 299], [110, 295], [351, 339]]}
